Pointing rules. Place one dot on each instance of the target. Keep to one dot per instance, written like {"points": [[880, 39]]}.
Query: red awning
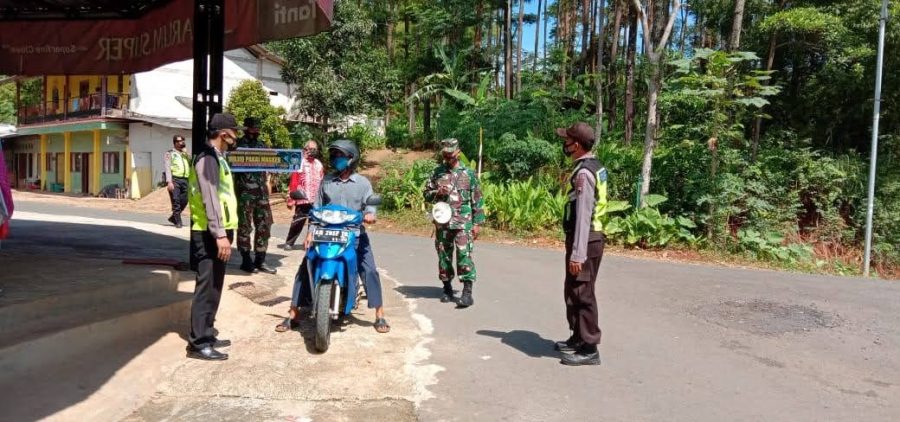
{"points": [[162, 35]]}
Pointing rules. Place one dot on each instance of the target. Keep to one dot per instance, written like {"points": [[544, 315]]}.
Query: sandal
{"points": [[381, 325], [286, 325]]}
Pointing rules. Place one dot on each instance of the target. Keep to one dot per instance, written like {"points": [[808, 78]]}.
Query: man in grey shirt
{"points": [[349, 189]]}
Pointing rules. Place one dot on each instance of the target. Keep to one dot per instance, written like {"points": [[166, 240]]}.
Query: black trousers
{"points": [[208, 290], [297, 223], [581, 299], [179, 197]]}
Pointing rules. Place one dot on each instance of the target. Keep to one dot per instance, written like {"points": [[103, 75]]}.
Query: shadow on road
{"points": [[421, 292], [527, 342]]}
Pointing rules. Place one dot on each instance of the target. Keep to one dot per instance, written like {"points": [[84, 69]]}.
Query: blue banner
{"points": [[245, 160]]}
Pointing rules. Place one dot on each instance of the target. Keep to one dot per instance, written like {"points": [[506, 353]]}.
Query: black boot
{"points": [[587, 354], [247, 262], [448, 293], [260, 264], [570, 345], [465, 300]]}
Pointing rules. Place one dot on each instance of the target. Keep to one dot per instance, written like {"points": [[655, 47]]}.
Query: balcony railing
{"points": [[93, 105]]}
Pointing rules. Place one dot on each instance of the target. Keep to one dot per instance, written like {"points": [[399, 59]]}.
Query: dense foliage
{"points": [[747, 135], [251, 99]]}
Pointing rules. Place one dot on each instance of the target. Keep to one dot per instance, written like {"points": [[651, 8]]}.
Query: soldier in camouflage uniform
{"points": [[458, 186], [253, 207]]}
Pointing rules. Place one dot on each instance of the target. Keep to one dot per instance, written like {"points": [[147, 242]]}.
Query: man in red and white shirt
{"points": [[308, 179]]}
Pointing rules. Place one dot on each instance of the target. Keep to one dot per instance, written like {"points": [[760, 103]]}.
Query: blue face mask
{"points": [[340, 163]]}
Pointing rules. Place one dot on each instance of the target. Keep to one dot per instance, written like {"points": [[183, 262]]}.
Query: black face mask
{"points": [[180, 145], [231, 146], [569, 149]]}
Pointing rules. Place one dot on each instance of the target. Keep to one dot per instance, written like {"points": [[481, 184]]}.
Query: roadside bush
{"points": [[516, 159], [623, 165], [365, 138], [397, 134], [770, 246], [522, 206], [402, 184], [648, 228]]}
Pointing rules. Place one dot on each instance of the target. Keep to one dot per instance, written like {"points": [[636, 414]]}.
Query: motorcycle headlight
{"points": [[334, 217]]}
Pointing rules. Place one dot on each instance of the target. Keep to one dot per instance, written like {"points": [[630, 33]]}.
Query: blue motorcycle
{"points": [[332, 264]]}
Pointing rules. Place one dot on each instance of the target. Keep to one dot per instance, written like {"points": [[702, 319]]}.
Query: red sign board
{"points": [[161, 36]]}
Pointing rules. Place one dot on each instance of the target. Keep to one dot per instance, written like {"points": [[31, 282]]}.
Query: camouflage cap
{"points": [[450, 145]]}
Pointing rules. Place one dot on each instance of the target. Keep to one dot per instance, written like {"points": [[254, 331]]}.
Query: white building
{"points": [[160, 107], [108, 134]]}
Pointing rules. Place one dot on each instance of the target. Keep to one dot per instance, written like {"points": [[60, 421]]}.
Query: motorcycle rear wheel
{"points": [[323, 315]]}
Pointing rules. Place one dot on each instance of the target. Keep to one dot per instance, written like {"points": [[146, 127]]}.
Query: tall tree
{"points": [[630, 59], [479, 12], [585, 33], [734, 42], [389, 23], [683, 32], [562, 36], [654, 50], [770, 61], [546, 25], [613, 64], [520, 33], [537, 37], [342, 72], [507, 46], [601, 37]]}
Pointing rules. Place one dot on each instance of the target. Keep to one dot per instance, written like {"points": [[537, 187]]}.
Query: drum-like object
{"points": [[441, 213]]}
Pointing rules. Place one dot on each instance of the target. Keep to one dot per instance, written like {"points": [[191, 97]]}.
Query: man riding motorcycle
{"points": [[349, 189]]}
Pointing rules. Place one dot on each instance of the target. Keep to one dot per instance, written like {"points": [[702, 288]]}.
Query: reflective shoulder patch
{"points": [[602, 175]]}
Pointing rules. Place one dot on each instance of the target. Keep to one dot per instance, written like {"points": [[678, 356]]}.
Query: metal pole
{"points": [[216, 55], [873, 158], [201, 75]]}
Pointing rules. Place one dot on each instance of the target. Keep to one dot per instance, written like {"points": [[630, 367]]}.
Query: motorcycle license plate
{"points": [[331, 236]]}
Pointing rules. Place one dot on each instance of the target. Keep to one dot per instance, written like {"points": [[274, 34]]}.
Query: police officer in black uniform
{"points": [[583, 226]]}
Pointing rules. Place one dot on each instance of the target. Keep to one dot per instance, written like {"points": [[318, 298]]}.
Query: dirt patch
{"points": [[767, 318], [373, 160]]}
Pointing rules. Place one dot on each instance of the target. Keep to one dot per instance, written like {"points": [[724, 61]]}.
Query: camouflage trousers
{"points": [[446, 241], [254, 213]]}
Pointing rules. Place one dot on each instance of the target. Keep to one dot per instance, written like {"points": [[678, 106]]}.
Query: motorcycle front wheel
{"points": [[323, 315]]}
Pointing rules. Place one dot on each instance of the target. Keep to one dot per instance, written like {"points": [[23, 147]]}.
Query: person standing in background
{"points": [[254, 210], [178, 167], [307, 179]]}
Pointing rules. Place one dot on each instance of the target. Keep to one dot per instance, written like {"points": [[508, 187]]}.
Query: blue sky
{"points": [[528, 39]]}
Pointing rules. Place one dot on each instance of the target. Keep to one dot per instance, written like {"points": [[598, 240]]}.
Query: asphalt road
{"points": [[680, 342]]}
